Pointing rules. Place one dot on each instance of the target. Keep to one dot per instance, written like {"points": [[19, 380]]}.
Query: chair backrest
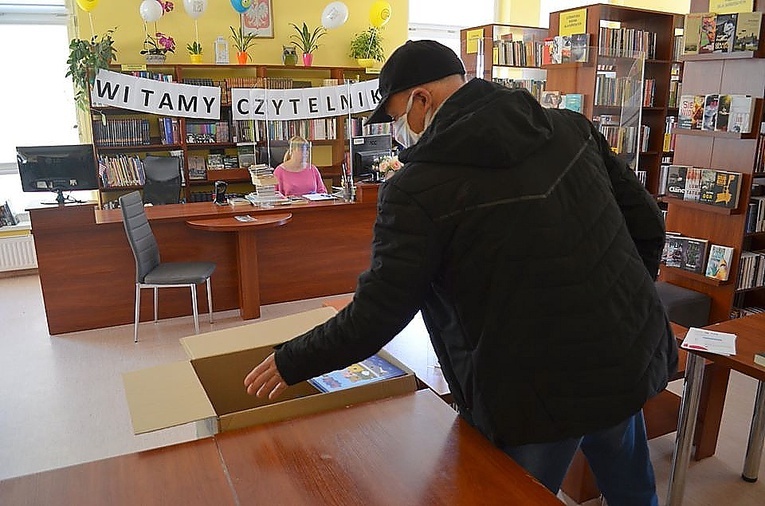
{"points": [[163, 179], [139, 234], [273, 156]]}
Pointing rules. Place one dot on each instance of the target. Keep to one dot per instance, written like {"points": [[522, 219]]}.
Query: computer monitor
{"points": [[57, 169], [365, 150]]}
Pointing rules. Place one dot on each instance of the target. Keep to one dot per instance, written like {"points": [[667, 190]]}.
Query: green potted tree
{"points": [[242, 42], [195, 52], [306, 41], [366, 47], [86, 58]]}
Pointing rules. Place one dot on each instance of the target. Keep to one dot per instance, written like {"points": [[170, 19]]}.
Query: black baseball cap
{"points": [[416, 62]]}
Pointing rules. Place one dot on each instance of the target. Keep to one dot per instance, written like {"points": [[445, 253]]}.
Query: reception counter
{"points": [[87, 271]]}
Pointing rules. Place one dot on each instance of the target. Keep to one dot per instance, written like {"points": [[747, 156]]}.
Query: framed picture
{"points": [[259, 19]]}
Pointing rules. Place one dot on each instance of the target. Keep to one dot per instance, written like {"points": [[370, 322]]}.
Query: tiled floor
{"points": [[62, 402]]}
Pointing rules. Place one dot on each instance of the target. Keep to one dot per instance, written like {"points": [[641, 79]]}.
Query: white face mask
{"points": [[402, 132]]}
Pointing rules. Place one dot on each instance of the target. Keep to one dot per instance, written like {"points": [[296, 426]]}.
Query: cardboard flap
{"points": [[165, 396], [254, 335]]}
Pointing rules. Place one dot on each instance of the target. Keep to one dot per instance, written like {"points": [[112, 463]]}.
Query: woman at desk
{"points": [[297, 175]]}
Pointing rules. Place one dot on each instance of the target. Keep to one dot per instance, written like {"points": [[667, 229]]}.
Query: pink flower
{"points": [[166, 6], [165, 41]]}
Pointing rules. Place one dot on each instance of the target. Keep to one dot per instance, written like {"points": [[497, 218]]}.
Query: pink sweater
{"points": [[299, 183]]}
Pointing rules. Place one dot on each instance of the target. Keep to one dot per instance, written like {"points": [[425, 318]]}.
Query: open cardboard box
{"points": [[209, 387]]}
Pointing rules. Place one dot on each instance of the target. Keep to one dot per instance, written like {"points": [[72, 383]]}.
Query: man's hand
{"points": [[265, 380]]}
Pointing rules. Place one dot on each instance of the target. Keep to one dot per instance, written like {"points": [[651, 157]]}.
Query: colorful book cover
{"points": [[725, 32], [573, 102], [707, 33], [718, 265], [723, 113], [747, 31], [564, 43], [697, 116], [550, 99], [692, 32], [676, 175], [579, 44], [692, 184], [740, 115], [371, 370], [674, 247], [711, 105], [685, 111], [727, 189], [694, 255], [547, 51], [708, 182]]}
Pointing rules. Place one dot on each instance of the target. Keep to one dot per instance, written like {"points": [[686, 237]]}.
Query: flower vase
{"points": [[155, 58], [196, 58], [242, 57], [307, 59]]}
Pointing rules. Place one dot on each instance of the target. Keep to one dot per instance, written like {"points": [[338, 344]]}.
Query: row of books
{"points": [[356, 128], [649, 91], [697, 255], [629, 42], [566, 49], [121, 170], [755, 215], [613, 91], [227, 84], [669, 134], [311, 129], [534, 86], [7, 217], [708, 32], [740, 312], [221, 161], [169, 131], [759, 159], [147, 74], [121, 132], [707, 186], [716, 112], [751, 272], [207, 132], [622, 139], [517, 53]]}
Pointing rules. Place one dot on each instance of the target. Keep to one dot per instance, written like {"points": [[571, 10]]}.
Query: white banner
{"points": [[304, 103], [156, 97]]}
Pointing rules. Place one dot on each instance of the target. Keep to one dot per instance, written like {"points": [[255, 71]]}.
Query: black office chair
{"points": [[163, 180], [150, 272], [273, 154]]}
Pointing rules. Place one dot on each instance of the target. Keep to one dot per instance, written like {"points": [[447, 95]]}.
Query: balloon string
{"points": [[90, 17]]}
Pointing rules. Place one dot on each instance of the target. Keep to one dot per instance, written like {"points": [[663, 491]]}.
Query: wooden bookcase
{"points": [[328, 154], [480, 48], [731, 73], [581, 77]]}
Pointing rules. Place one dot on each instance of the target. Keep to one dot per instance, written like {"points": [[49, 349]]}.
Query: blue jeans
{"points": [[618, 457]]}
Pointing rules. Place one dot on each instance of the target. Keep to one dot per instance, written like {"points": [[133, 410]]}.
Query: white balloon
{"points": [[150, 10], [335, 15], [195, 8]]}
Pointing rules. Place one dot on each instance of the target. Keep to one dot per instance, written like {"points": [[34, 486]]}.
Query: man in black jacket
{"points": [[532, 251]]}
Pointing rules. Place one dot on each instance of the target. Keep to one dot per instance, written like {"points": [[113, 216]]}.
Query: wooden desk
{"points": [[188, 473], [246, 253], [411, 449], [750, 339], [84, 259]]}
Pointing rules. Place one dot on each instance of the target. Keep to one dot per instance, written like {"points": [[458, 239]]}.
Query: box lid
{"points": [[254, 335], [165, 396]]}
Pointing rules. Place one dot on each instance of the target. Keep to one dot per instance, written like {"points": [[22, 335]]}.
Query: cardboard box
{"points": [[209, 387]]}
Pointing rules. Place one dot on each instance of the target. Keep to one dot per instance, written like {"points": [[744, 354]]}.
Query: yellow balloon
{"points": [[87, 5], [379, 14]]}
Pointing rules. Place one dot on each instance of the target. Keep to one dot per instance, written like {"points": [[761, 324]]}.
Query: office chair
{"points": [[150, 272], [163, 179], [273, 156]]}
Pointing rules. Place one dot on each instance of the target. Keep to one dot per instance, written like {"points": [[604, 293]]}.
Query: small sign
{"points": [[132, 67], [472, 39], [730, 6], [572, 22]]}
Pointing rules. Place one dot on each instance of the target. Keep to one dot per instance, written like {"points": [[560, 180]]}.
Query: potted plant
{"points": [[156, 47], [195, 52], [86, 58], [306, 41], [366, 47], [242, 42]]}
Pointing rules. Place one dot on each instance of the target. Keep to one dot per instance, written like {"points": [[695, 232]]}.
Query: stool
{"points": [[685, 307]]}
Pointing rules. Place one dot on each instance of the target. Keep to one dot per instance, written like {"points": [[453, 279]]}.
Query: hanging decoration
{"points": [[241, 6], [379, 14], [150, 10], [335, 15], [88, 5], [195, 8]]}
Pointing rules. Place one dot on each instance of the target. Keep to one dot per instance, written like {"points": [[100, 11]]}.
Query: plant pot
{"points": [[365, 62], [307, 59], [242, 57], [195, 58], [155, 58]]}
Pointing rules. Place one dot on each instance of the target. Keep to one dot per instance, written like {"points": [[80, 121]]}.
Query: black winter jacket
{"points": [[531, 251]]}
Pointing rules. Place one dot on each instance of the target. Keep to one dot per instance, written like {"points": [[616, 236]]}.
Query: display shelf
{"points": [[696, 277], [707, 208]]}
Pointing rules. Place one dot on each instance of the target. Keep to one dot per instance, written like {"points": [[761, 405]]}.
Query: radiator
{"points": [[17, 253]]}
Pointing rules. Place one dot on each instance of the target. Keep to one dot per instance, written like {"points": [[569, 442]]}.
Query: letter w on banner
{"points": [[157, 97], [304, 103]]}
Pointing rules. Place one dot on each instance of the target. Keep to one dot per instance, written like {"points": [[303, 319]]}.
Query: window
{"points": [[435, 19]]}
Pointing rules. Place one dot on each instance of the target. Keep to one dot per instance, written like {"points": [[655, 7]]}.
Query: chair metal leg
{"points": [[137, 312], [194, 307], [156, 303], [756, 437], [209, 299]]}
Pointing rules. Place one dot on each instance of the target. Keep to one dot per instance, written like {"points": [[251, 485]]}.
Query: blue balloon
{"points": [[241, 6]]}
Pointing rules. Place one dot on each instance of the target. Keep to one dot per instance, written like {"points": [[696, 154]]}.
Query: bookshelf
{"points": [[616, 37], [724, 73], [124, 136], [510, 55]]}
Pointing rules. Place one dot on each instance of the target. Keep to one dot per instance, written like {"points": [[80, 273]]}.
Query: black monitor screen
{"points": [[57, 168], [368, 149]]}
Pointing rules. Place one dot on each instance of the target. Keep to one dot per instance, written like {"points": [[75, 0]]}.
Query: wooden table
{"points": [[750, 339], [411, 449], [246, 253]]}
